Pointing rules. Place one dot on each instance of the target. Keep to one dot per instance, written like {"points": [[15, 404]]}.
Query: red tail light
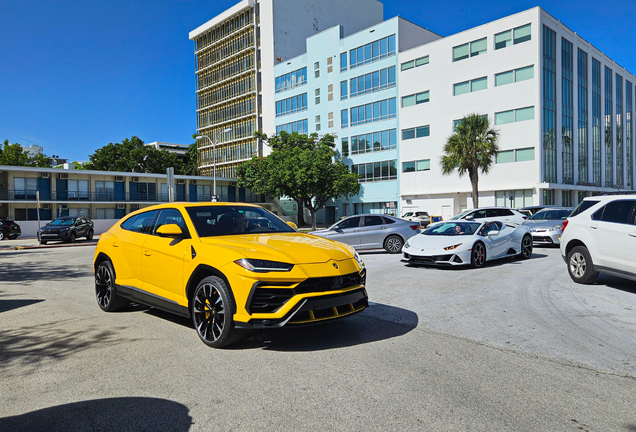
{"points": [[563, 225], [525, 217], [415, 227]]}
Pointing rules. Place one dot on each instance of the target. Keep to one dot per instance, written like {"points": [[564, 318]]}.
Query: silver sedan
{"points": [[545, 225], [372, 232]]}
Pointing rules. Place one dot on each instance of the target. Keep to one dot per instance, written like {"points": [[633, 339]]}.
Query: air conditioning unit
{"points": [[64, 207], [45, 175], [193, 182], [121, 206], [233, 184], [46, 206], [180, 181], [62, 176], [135, 179], [134, 206], [119, 178]]}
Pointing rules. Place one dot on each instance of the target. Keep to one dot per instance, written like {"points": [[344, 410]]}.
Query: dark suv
{"points": [[9, 229], [66, 229]]}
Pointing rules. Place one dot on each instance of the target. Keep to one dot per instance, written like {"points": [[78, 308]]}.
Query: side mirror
{"points": [[169, 230], [493, 234], [291, 224], [469, 217]]}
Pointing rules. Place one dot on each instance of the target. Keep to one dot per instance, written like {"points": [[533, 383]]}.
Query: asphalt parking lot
{"points": [[513, 346]]}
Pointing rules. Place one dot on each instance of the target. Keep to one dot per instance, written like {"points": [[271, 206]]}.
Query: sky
{"points": [[77, 75]]}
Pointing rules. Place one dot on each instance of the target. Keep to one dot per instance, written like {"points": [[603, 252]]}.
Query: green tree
{"points": [[131, 155], [301, 167], [40, 161], [12, 154], [191, 164], [472, 148]]}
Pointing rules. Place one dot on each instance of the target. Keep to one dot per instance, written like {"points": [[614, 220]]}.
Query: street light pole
{"points": [[214, 195]]}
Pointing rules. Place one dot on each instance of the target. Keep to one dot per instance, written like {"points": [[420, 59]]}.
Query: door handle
{"points": [[115, 244], [593, 226], [147, 252]]}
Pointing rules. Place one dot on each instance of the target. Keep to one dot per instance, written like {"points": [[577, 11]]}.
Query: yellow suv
{"points": [[231, 267]]}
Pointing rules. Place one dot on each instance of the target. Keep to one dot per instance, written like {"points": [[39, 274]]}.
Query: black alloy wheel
{"points": [[105, 290], [89, 236], [71, 237], [212, 309], [526, 247], [393, 244], [478, 255], [580, 266], [2, 236]]}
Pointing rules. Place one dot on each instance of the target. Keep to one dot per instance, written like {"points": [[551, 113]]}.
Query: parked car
{"points": [[545, 225], [419, 216], [371, 232], [66, 229], [531, 210], [213, 263], [456, 243], [501, 214], [600, 236], [9, 229]]}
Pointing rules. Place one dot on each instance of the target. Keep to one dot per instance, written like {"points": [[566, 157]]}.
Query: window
{"points": [[522, 198], [460, 52], [415, 99], [343, 62], [25, 187], [506, 156], [616, 211], [372, 52], [471, 49], [408, 167], [373, 142], [316, 65], [344, 118], [372, 112], [291, 80], [78, 189], [504, 78], [418, 132], [514, 36], [421, 165], [516, 75], [478, 47], [408, 65], [104, 190], [522, 34], [522, 155], [517, 115], [291, 105], [345, 147], [300, 126], [317, 119], [421, 61], [141, 223], [525, 73], [105, 213], [376, 171], [353, 222], [503, 39], [470, 86], [372, 82], [343, 90]]}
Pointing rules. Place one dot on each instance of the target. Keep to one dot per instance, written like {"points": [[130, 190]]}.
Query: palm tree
{"points": [[471, 148]]}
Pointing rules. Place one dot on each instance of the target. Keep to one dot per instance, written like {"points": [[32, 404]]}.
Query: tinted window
{"points": [[170, 216], [349, 223], [387, 221], [616, 211], [142, 223], [492, 213], [583, 206], [372, 220], [479, 214]]}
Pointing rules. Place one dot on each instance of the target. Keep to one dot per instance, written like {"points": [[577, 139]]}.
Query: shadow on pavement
{"points": [[27, 272], [495, 263], [115, 414], [7, 305], [33, 346], [616, 283]]}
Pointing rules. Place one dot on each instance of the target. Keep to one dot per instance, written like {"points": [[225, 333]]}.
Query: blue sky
{"points": [[76, 75]]}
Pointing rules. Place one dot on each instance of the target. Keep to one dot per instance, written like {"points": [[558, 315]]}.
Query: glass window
{"points": [[343, 90], [345, 147], [353, 57], [373, 220], [461, 88], [422, 131], [478, 47], [424, 165], [408, 65], [408, 166], [616, 211], [479, 84], [525, 73], [392, 107], [504, 117], [506, 156], [343, 61], [383, 47], [460, 52], [392, 75], [408, 134], [391, 44], [353, 222], [504, 78], [421, 61], [523, 155], [522, 34], [421, 97], [524, 114], [367, 53], [408, 101], [503, 39], [344, 118]]}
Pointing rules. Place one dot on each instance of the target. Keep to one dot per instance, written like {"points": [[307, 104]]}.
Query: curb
{"points": [[63, 245]]}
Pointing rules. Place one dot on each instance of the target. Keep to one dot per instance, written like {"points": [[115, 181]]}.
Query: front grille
{"points": [[267, 299], [542, 239], [429, 259]]}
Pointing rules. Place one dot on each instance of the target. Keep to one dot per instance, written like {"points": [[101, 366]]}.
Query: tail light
{"points": [[563, 225], [524, 217], [415, 227]]}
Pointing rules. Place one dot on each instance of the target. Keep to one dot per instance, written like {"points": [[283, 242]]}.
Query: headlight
{"points": [[556, 228], [262, 266], [357, 257], [407, 245], [452, 247]]}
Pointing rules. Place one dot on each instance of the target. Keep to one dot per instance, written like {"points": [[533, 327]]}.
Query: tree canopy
{"points": [[13, 154], [472, 148], [131, 155], [301, 167]]}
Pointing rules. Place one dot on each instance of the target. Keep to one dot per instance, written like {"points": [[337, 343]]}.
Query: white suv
{"points": [[600, 236], [501, 214]]}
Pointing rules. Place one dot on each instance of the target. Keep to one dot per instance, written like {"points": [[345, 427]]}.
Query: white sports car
{"points": [[467, 243]]}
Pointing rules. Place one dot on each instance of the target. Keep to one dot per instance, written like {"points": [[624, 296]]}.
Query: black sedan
{"points": [[9, 229], [66, 229]]}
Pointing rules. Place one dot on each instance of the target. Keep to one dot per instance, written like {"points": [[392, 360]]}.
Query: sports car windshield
{"points": [[62, 222], [551, 215], [211, 221], [452, 229]]}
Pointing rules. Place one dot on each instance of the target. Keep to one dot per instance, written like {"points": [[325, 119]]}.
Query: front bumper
{"points": [[438, 259], [545, 237], [53, 236]]}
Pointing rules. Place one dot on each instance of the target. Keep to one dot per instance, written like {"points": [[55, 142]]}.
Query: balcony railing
{"points": [[107, 197]]}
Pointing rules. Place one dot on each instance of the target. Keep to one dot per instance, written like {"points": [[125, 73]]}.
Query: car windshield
{"points": [[461, 215], [219, 220], [551, 215], [62, 222], [452, 229], [408, 214]]}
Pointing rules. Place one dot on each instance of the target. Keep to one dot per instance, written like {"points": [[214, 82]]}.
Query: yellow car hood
{"points": [[293, 248]]}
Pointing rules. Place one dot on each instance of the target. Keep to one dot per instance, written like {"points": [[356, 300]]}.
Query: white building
{"points": [[548, 91]]}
